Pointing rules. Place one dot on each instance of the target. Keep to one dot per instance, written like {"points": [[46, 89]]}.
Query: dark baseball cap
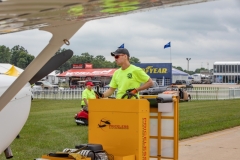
{"points": [[120, 51]]}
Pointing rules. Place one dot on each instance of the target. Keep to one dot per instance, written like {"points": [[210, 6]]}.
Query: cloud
{"points": [[205, 32]]}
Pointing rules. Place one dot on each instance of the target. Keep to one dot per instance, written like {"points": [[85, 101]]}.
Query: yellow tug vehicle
{"points": [[128, 129]]}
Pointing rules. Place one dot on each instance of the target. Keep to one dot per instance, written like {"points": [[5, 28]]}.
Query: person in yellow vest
{"points": [[87, 94], [127, 78]]}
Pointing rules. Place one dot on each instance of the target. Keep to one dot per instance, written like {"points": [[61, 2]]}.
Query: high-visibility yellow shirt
{"points": [[130, 78], [88, 94]]}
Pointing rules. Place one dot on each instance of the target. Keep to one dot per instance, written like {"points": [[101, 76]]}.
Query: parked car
{"points": [[46, 85], [153, 90], [80, 84], [189, 84], [106, 86], [183, 82], [206, 81], [178, 90], [36, 88], [180, 82]]}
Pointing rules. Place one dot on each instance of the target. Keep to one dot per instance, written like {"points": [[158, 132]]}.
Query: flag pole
{"points": [[170, 56], [167, 46]]}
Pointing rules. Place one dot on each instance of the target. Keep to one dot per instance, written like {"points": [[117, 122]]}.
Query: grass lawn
{"points": [[51, 127], [201, 117]]}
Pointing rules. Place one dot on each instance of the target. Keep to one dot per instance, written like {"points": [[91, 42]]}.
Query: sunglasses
{"points": [[117, 56]]}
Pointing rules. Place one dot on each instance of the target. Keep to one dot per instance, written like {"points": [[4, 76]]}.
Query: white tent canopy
{"points": [[178, 75], [4, 67]]}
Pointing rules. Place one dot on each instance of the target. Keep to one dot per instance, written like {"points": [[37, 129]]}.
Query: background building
{"points": [[158, 71], [226, 72]]}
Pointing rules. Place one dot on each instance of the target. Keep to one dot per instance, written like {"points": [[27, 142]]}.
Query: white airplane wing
{"points": [[19, 15], [62, 18]]}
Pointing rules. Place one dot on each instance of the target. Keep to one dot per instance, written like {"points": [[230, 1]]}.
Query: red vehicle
{"points": [[81, 118]]}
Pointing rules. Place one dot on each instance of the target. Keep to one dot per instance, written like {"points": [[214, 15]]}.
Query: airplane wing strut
{"points": [[60, 33]]}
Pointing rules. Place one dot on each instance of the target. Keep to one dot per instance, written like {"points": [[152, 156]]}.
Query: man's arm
{"points": [[108, 92], [85, 101], [146, 85]]}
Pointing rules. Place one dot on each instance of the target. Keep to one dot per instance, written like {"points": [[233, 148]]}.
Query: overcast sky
{"points": [[206, 33]]}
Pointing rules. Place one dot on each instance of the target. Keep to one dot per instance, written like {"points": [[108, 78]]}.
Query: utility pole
{"points": [[188, 59]]}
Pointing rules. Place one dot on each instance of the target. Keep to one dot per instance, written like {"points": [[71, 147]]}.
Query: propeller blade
{"points": [[55, 62]]}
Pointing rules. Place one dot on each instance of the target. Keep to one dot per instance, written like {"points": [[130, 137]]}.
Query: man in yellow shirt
{"points": [[87, 94], [128, 77]]}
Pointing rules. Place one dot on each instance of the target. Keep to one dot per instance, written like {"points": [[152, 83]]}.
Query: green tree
{"points": [[86, 57], [30, 58], [115, 65], [75, 59], [60, 50], [179, 68], [191, 72], [20, 57], [199, 69], [21, 63], [134, 60], [100, 58], [99, 62], [16, 50], [5, 54], [64, 67], [109, 64], [24, 59]]}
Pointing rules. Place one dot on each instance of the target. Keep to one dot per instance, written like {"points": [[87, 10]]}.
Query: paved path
{"points": [[222, 145]]}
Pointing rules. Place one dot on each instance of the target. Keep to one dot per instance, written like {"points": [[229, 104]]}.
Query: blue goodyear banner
{"points": [[157, 70]]}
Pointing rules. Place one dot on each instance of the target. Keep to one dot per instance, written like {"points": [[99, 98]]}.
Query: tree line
{"points": [[19, 56], [98, 61]]}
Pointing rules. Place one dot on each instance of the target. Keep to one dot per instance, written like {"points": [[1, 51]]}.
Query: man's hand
{"points": [[130, 93], [133, 91], [99, 95]]}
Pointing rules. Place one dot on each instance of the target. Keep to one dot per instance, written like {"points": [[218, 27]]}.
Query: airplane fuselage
{"points": [[15, 114]]}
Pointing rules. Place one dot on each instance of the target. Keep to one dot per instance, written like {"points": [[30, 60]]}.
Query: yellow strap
{"points": [[76, 156]]}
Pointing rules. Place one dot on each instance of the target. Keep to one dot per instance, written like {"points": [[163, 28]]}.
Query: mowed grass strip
{"points": [[201, 117], [51, 126]]}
